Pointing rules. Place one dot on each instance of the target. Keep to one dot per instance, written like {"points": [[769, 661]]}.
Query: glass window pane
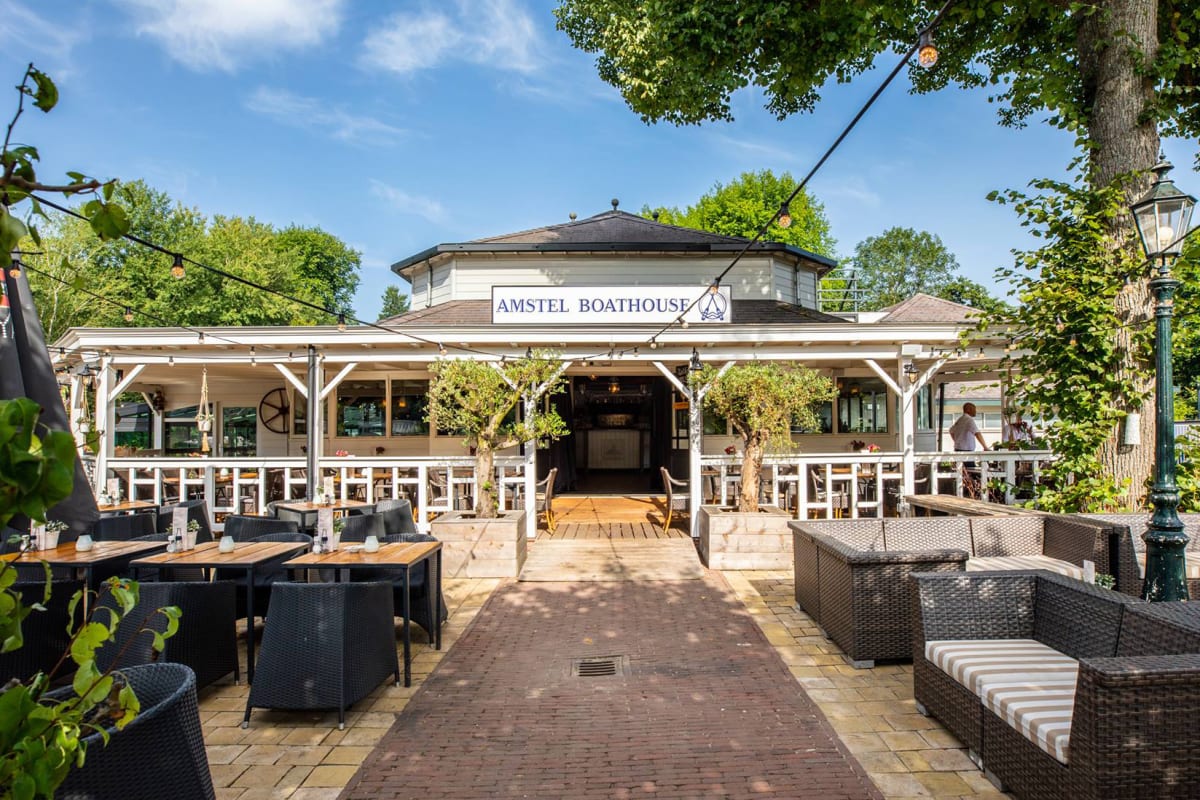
{"points": [[360, 408], [824, 420], [239, 431], [409, 403], [299, 414]]}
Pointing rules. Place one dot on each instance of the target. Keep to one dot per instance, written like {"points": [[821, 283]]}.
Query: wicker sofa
{"points": [[1060, 688], [1129, 562], [850, 574]]}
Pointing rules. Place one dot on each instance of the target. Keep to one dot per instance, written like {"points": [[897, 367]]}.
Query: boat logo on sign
{"points": [[713, 307]]}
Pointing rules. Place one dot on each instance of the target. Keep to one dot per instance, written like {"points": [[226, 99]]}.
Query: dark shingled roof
{"points": [[923, 307], [612, 226], [469, 313], [614, 231]]}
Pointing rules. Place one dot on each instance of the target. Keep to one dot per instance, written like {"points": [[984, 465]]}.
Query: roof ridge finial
{"points": [[615, 202]]}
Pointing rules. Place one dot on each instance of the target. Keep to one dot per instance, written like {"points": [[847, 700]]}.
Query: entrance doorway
{"points": [[620, 427]]}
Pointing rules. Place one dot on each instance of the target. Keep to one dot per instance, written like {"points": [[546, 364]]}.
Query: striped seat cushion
{"points": [[1191, 562], [993, 563], [1027, 684]]}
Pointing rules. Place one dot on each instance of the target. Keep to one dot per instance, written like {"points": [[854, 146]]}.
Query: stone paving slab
{"points": [[705, 707]]}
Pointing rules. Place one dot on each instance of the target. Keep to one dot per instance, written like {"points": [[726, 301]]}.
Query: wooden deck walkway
{"points": [[612, 517]]}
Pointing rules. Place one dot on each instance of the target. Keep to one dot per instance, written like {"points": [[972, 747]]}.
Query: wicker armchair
{"points": [[265, 575], [357, 529], [196, 510], [420, 601], [326, 646], [160, 753], [1129, 549], [248, 528], [1124, 728], [397, 516], [677, 493], [123, 527], [45, 632], [206, 641]]}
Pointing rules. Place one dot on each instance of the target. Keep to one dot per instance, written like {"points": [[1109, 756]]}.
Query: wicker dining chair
{"points": [[45, 630], [397, 516], [159, 754], [326, 646], [247, 528], [206, 640], [418, 584], [196, 510], [266, 574], [123, 527], [678, 495]]}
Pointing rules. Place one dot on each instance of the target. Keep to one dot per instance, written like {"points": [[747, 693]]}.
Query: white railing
{"points": [[245, 485], [858, 484]]}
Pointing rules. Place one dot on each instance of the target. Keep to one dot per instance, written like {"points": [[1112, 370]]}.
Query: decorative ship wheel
{"points": [[273, 411]]}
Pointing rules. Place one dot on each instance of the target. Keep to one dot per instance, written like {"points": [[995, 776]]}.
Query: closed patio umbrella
{"points": [[26, 371]]}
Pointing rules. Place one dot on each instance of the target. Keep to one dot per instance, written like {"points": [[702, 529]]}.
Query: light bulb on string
{"points": [[441, 350], [15, 269], [177, 268], [253, 360], [715, 286], [653, 343], [128, 314], [341, 323], [927, 52], [170, 361], [785, 216], [200, 337]]}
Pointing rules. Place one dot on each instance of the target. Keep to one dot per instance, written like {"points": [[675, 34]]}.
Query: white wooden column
{"points": [[530, 404], [105, 420], [315, 416], [75, 409]]}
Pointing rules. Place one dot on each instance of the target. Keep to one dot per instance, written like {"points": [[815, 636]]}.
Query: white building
{"points": [[608, 294]]}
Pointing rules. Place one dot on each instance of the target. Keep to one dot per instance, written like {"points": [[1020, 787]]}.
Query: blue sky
{"points": [[396, 126]]}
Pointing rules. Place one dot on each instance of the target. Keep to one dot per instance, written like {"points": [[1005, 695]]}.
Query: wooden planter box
{"points": [[481, 548], [735, 540]]}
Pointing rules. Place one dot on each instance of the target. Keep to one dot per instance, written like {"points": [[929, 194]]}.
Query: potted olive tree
{"points": [[480, 401], [762, 401]]}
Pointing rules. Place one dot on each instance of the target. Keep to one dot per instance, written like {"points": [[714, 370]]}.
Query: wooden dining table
{"points": [[245, 555], [402, 556], [127, 507], [86, 561]]}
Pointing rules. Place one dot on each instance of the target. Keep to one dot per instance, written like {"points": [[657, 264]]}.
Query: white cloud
{"points": [[219, 34], [313, 114], [759, 151], [495, 33], [852, 189], [21, 27], [407, 203]]}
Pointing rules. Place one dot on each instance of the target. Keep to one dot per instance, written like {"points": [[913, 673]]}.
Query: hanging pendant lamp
{"points": [[204, 418]]}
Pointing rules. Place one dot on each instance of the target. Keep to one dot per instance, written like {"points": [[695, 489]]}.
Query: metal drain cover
{"points": [[600, 667]]}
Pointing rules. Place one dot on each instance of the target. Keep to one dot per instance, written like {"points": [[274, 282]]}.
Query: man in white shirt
{"points": [[964, 432], [1017, 430]]}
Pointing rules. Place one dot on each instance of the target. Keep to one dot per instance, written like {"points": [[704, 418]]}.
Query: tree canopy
{"points": [[297, 262], [901, 262], [394, 303], [740, 208], [1115, 73]]}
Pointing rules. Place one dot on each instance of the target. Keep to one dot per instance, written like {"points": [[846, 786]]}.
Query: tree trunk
{"points": [[751, 472], [485, 484], [1115, 97]]}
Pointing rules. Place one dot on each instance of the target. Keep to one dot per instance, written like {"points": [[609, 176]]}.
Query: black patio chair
{"points": [[196, 510], [326, 646], [45, 631], [159, 754], [248, 528], [265, 575], [357, 529], [397, 516], [418, 583], [123, 527], [206, 641]]}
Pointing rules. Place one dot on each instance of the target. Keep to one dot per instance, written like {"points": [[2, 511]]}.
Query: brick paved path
{"points": [[707, 708]]}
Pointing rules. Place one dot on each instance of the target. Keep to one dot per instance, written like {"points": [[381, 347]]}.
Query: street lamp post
{"points": [[1162, 217]]}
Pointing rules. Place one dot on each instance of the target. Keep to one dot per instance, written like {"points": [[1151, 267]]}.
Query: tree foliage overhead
{"points": [[740, 208], [307, 263], [901, 262], [1115, 73]]}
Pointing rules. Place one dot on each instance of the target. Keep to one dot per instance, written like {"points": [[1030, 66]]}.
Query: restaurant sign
{"points": [[609, 305]]}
